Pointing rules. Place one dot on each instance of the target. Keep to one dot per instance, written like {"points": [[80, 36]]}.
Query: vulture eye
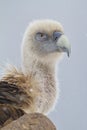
{"points": [[41, 36]]}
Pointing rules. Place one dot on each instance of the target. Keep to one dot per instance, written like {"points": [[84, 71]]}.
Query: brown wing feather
{"points": [[8, 114], [13, 95], [16, 95], [12, 101]]}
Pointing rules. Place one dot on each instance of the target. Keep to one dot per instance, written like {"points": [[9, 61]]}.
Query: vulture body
{"points": [[34, 87]]}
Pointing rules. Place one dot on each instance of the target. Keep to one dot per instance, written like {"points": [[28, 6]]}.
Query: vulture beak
{"points": [[62, 43]]}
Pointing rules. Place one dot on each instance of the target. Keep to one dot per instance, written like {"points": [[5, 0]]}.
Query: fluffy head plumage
{"points": [[39, 42], [46, 26], [43, 26]]}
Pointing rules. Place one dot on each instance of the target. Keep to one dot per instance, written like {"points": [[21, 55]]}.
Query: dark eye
{"points": [[41, 36]]}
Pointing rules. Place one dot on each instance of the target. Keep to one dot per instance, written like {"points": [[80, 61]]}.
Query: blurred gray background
{"points": [[71, 110]]}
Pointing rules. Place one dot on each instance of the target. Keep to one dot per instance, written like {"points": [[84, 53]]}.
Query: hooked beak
{"points": [[62, 43]]}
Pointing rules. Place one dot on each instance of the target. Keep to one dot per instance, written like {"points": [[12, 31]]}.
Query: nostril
{"points": [[56, 35], [55, 38]]}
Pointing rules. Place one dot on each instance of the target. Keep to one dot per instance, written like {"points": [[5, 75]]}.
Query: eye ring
{"points": [[41, 36]]}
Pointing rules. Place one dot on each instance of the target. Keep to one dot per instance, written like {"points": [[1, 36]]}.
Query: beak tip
{"points": [[68, 55], [68, 52]]}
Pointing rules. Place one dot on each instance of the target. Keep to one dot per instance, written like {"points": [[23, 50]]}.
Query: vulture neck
{"points": [[34, 67]]}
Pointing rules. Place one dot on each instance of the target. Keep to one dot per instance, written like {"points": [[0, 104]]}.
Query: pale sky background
{"points": [[71, 110]]}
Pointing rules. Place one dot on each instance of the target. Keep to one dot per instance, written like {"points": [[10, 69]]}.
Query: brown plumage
{"points": [[8, 113], [19, 86], [34, 87], [14, 97]]}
